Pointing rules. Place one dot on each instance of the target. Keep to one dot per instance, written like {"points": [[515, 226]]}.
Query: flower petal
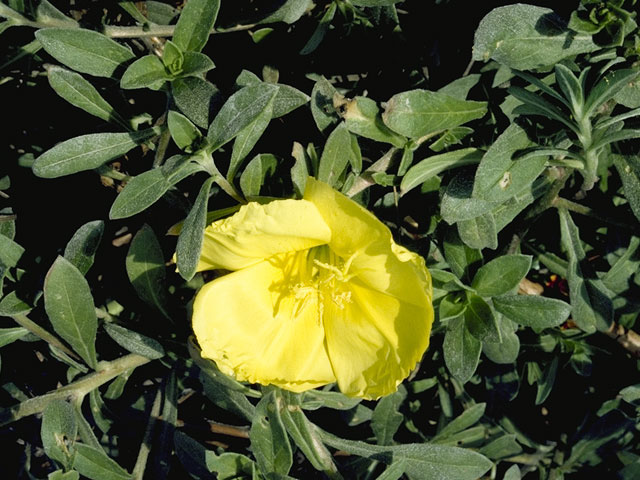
{"points": [[255, 329], [257, 232], [376, 258], [375, 341], [352, 227]]}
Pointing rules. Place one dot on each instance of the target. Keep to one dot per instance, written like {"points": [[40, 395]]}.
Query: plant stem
{"points": [[40, 332], [628, 339], [145, 447], [365, 180], [589, 212], [114, 31], [107, 371]]}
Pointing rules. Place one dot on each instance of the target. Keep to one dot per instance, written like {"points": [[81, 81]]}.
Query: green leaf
{"points": [[619, 278], [386, 418], [315, 399], [451, 136], [81, 249], [501, 275], [526, 37], [253, 177], [468, 418], [362, 117], [172, 57], [198, 99], [545, 385], [183, 132], [10, 252], [320, 31], [479, 232], [608, 87], [337, 154], [423, 461], [93, 463], [628, 167], [192, 234], [513, 473], [146, 72], [502, 447], [480, 320], [192, 455], [533, 311], [322, 108], [393, 471], [80, 93], [269, 441], [69, 305], [195, 24], [62, 475], [507, 350], [231, 466], [134, 342], [461, 350], [571, 87], [10, 335], [289, 12], [11, 305], [196, 64], [460, 87], [303, 432], [87, 152], [240, 110], [498, 177], [47, 14], [432, 166], [591, 308], [287, 99], [84, 50], [417, 113], [457, 204], [451, 306], [145, 189], [146, 269], [58, 431], [247, 139], [461, 258]]}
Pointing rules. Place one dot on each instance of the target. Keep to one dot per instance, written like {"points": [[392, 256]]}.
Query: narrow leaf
{"points": [[336, 156], [461, 350], [93, 463], [423, 461], [80, 93], [146, 269], [526, 37], [436, 164], [192, 234], [420, 112], [253, 177], [183, 132], [239, 111], [69, 305], [84, 50], [195, 24], [82, 247], [87, 152], [533, 311], [248, 137], [386, 418], [134, 342], [501, 275], [269, 440]]}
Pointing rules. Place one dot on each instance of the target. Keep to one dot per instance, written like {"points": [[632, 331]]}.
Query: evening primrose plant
{"points": [[330, 239]]}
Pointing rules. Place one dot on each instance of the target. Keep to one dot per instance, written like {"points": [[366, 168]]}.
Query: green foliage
{"points": [[516, 177]]}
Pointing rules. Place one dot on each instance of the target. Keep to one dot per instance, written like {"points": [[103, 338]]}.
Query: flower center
{"points": [[323, 275]]}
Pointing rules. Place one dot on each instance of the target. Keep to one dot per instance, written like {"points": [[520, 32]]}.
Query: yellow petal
{"points": [[257, 232], [255, 328], [352, 227], [376, 258], [375, 341]]}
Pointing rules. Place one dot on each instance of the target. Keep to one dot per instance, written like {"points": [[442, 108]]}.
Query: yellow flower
{"points": [[319, 293]]}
